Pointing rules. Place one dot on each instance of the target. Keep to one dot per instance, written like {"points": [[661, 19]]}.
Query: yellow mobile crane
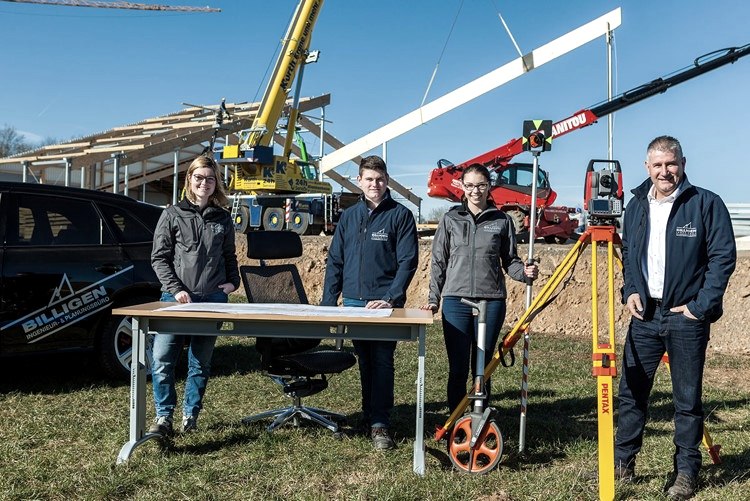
{"points": [[267, 187]]}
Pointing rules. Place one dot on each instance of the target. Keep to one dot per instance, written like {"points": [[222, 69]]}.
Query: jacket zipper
{"points": [[199, 224], [362, 254], [473, 255]]}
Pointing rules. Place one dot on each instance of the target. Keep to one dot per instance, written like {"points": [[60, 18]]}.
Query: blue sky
{"points": [[73, 71]]}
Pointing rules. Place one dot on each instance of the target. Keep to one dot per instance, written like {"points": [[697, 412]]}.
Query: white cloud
{"points": [[31, 137]]}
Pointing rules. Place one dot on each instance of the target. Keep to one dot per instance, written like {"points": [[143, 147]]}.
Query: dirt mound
{"points": [[570, 313]]}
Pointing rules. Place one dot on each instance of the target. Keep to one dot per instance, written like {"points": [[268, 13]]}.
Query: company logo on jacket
{"points": [[491, 228], [379, 235], [687, 231]]}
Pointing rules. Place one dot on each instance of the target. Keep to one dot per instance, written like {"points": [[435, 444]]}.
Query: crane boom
{"points": [[293, 53], [509, 191], [272, 191], [117, 5], [586, 117]]}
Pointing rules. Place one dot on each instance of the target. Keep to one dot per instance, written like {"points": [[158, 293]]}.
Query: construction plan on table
{"points": [[296, 310]]}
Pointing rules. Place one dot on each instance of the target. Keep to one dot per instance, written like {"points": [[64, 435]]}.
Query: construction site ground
{"points": [[570, 313]]}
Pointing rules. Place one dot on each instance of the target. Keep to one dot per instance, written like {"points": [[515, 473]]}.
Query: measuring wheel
{"points": [[486, 453]]}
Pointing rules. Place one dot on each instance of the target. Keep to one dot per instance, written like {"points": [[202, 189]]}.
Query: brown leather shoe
{"points": [[683, 488]]}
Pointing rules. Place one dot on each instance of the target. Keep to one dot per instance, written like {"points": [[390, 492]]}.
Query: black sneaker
{"points": [[683, 487], [162, 426], [381, 439], [189, 423]]}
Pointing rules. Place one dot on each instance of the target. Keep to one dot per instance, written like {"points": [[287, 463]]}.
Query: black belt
{"points": [[655, 302]]}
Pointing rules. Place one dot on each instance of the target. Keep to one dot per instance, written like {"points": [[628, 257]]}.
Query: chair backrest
{"points": [[278, 283], [273, 245], [275, 283]]}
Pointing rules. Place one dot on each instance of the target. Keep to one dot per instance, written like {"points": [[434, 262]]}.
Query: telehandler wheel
{"points": [[273, 219], [518, 218], [486, 453]]}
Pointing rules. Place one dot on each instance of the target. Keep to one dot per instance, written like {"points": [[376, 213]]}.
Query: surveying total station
{"points": [[602, 194]]}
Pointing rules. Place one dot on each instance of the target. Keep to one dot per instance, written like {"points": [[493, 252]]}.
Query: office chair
{"points": [[288, 362]]}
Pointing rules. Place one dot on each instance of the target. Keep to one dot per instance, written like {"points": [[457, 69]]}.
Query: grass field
{"points": [[61, 429]]}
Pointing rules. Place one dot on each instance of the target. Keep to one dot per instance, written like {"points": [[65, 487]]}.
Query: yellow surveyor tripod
{"points": [[603, 350]]}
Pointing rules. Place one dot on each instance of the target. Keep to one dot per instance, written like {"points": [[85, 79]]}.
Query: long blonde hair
{"points": [[219, 196]]}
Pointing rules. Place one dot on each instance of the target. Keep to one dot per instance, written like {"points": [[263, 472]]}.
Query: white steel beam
{"points": [[474, 89]]}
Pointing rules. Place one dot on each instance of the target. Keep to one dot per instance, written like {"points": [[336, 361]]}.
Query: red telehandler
{"points": [[511, 182]]}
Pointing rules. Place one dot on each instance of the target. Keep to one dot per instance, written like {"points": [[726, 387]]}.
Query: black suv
{"points": [[68, 257]]}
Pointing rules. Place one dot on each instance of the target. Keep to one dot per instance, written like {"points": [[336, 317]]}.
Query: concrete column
{"points": [[126, 189], [321, 150], [68, 165], [116, 173]]}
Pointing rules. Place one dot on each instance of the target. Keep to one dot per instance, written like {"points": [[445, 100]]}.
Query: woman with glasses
{"points": [[194, 258], [474, 248]]}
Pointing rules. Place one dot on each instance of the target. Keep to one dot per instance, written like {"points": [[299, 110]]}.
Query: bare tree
{"points": [[11, 142], [435, 213]]}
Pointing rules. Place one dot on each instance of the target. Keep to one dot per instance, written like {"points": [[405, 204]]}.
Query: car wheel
{"points": [[115, 346]]}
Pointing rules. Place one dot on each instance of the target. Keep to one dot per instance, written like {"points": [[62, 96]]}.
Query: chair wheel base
{"points": [[295, 414]]}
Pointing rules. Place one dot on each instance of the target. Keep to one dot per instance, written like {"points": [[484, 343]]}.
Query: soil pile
{"points": [[570, 312]]}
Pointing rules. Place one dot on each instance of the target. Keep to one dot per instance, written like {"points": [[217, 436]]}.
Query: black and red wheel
{"points": [[486, 453]]}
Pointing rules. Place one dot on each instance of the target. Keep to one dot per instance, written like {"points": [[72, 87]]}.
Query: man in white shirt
{"points": [[678, 253]]}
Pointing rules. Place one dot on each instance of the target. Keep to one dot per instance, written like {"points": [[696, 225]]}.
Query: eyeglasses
{"points": [[208, 179], [472, 187]]}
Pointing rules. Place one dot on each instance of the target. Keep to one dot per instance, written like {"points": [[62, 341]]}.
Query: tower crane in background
{"points": [[117, 5]]}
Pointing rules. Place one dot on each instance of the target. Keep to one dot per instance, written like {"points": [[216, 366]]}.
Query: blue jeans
{"points": [[376, 373], [685, 341], [460, 330], [166, 352]]}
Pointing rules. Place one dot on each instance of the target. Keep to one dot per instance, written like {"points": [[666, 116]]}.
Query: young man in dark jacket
{"points": [[678, 252], [371, 261]]}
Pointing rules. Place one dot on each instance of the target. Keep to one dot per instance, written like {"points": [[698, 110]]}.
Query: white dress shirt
{"points": [[655, 260]]}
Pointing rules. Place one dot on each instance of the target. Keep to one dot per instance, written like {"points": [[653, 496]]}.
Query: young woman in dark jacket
{"points": [[194, 258], [474, 248]]}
